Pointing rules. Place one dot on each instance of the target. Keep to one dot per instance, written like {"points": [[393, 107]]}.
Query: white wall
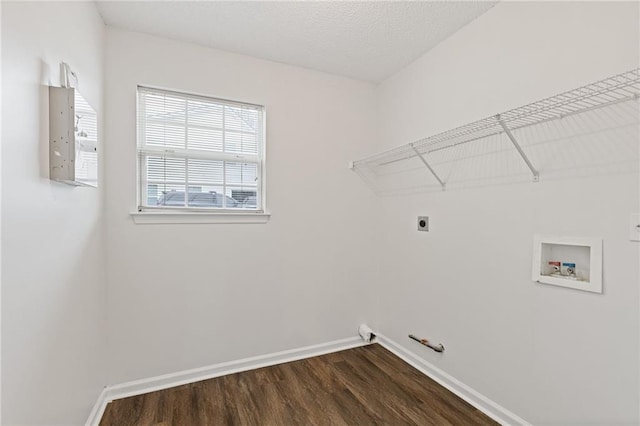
{"points": [[185, 296], [53, 284], [549, 354], [178, 298]]}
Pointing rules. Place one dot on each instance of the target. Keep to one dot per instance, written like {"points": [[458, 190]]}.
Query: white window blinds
{"points": [[199, 153]]}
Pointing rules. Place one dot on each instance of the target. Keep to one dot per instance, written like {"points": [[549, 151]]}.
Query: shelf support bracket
{"points": [[536, 175], [435, 175]]}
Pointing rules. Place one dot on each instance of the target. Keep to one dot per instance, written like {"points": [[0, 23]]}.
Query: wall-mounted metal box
{"points": [[73, 138]]}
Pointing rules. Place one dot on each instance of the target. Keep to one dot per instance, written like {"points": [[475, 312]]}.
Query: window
{"points": [[199, 153]]}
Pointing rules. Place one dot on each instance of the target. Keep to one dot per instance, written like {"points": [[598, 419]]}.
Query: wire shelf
{"points": [[605, 93]]}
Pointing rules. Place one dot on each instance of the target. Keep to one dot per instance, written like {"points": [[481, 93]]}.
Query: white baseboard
{"points": [[98, 409], [165, 381], [473, 397]]}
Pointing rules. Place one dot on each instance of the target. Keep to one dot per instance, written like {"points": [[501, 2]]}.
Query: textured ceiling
{"points": [[363, 40]]}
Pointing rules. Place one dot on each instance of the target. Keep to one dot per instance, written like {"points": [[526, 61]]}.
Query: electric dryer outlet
{"points": [[423, 223]]}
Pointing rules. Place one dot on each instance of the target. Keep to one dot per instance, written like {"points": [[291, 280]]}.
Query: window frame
{"points": [[177, 214]]}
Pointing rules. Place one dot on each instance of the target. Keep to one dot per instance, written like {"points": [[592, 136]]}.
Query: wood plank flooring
{"points": [[362, 386]]}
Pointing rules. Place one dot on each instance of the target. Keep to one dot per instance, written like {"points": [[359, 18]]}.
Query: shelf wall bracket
{"points": [[433, 172], [536, 175]]}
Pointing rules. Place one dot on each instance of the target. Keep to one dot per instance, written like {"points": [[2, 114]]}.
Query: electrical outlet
{"points": [[423, 223], [634, 227]]}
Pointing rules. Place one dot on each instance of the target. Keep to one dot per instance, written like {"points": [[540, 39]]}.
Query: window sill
{"points": [[152, 218]]}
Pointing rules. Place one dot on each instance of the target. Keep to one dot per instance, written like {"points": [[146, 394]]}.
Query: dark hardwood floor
{"points": [[362, 386]]}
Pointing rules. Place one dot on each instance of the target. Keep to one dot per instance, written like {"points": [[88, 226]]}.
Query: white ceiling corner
{"points": [[368, 40]]}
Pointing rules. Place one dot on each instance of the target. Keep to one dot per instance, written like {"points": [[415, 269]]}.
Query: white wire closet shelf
{"points": [[572, 129]]}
